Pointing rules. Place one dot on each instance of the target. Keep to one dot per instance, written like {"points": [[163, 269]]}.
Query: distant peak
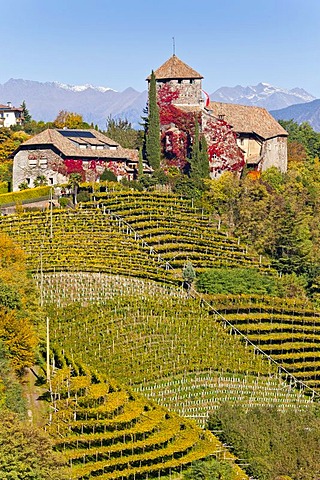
{"points": [[82, 88]]}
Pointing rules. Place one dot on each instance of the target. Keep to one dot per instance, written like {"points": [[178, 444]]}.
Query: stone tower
{"points": [[183, 78]]}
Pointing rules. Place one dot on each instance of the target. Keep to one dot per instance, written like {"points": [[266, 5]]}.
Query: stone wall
{"points": [[29, 164], [274, 154], [189, 90]]}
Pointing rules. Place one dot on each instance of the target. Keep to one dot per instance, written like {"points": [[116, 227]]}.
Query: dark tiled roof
{"points": [[174, 68], [10, 109], [68, 147], [247, 119]]}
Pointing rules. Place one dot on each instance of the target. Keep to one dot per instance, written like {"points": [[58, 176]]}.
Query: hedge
{"points": [[24, 195]]}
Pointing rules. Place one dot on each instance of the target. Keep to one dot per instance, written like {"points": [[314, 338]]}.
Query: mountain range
{"points": [[45, 100]]}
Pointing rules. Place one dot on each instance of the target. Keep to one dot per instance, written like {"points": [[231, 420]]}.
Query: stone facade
{"points": [[53, 155], [190, 90], [30, 164]]}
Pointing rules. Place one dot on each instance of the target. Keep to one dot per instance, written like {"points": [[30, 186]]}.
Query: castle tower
{"points": [[183, 78]]}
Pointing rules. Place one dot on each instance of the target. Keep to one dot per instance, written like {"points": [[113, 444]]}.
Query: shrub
{"points": [[236, 281], [25, 195]]}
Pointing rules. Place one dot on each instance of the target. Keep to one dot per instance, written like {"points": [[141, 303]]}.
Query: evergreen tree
{"points": [[195, 155], [153, 148], [199, 157], [140, 165], [25, 112], [204, 158]]}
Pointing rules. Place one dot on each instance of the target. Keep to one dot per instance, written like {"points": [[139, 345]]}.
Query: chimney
{"points": [[9, 104]]}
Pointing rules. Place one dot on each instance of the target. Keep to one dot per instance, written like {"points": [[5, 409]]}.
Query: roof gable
{"points": [[248, 119], [174, 68]]}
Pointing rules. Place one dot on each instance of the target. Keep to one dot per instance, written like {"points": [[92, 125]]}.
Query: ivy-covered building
{"points": [[54, 154], [236, 135]]}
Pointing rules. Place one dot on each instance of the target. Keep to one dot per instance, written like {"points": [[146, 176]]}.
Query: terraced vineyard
{"points": [[107, 431], [80, 240], [179, 232], [143, 235], [111, 271], [176, 352], [286, 329]]}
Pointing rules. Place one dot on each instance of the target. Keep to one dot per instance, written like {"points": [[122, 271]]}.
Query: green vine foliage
{"points": [[276, 444]]}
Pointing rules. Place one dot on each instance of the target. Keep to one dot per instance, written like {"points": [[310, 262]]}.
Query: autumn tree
{"points": [[26, 452], [69, 120]]}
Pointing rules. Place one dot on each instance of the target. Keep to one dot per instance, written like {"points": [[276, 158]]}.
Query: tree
{"points": [[25, 112], [26, 452], [74, 183], [40, 181], [189, 275], [69, 120], [153, 149], [204, 158], [122, 132], [195, 154], [210, 470], [140, 165]]}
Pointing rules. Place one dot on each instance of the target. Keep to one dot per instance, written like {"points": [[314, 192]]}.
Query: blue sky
{"points": [[118, 43]]}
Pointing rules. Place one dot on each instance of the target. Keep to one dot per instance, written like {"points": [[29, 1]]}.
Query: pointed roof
{"points": [[174, 68]]}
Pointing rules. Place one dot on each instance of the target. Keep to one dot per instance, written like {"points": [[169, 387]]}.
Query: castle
{"points": [[236, 135]]}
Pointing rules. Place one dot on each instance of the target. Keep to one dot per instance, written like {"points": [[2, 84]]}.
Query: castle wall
{"points": [[275, 154], [189, 89]]}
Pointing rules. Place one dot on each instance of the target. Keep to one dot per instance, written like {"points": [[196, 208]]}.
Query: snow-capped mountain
{"points": [[82, 88], [45, 100], [262, 95]]}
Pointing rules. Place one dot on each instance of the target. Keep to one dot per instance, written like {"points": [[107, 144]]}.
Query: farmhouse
{"points": [[237, 135], [10, 115], [55, 154]]}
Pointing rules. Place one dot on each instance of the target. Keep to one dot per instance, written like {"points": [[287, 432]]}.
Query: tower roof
{"points": [[174, 68]]}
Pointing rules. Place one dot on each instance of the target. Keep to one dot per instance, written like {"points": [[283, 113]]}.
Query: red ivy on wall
{"points": [[177, 127], [89, 170], [177, 130], [223, 150]]}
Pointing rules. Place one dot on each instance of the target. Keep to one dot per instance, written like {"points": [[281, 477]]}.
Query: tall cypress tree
{"points": [[203, 158], [195, 154], [153, 149]]}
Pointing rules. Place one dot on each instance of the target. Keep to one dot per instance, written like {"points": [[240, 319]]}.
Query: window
{"points": [[32, 162], [50, 180], [28, 180], [43, 162]]}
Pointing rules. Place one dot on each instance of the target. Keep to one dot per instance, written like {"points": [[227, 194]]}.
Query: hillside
{"points": [[304, 112], [110, 275]]}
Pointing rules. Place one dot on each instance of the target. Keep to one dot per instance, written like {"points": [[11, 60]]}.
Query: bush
{"points": [[236, 281], [25, 195], [65, 201], [83, 196], [108, 176]]}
